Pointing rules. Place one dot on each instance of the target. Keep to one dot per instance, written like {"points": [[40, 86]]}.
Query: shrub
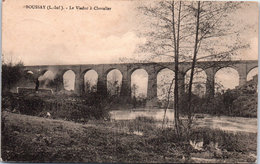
{"points": [[237, 142], [11, 74], [59, 106], [231, 103], [144, 119]]}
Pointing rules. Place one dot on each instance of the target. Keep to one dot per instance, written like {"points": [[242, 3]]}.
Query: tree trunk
{"points": [[190, 110], [176, 88]]}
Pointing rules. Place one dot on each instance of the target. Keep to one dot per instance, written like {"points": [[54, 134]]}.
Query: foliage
{"points": [[56, 83], [89, 88], [230, 103], [70, 107], [114, 88], [195, 103], [11, 74], [227, 141]]}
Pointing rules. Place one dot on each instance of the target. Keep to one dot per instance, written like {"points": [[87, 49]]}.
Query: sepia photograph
{"points": [[129, 81]]}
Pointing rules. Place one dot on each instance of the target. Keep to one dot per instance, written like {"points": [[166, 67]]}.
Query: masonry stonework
{"points": [[152, 69]]}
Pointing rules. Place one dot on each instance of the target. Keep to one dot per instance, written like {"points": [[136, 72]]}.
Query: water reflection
{"points": [[234, 124], [156, 114]]}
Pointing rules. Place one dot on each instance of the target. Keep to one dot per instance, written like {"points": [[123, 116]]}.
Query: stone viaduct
{"points": [[210, 67]]}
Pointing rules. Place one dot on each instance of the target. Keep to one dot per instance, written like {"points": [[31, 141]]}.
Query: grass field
{"points": [[36, 139]]}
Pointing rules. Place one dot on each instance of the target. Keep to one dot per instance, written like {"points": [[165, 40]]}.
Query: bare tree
{"points": [[174, 27], [167, 17], [209, 24], [193, 63]]}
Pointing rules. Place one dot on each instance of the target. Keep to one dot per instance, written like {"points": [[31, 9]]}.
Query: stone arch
{"points": [[139, 83], [199, 81], [233, 67], [197, 67], [69, 77], [111, 69], [251, 73], [133, 69], [251, 66], [114, 81], [90, 80], [226, 78], [162, 68], [63, 71], [164, 79]]}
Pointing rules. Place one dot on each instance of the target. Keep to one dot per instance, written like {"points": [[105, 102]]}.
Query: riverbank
{"points": [[36, 139]]}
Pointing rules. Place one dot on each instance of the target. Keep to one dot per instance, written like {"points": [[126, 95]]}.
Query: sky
{"points": [[55, 37], [68, 37], [50, 37]]}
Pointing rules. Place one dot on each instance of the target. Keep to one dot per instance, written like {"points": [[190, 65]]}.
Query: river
{"points": [[227, 123]]}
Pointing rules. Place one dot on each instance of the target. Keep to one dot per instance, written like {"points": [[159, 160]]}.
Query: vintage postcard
{"points": [[129, 81]]}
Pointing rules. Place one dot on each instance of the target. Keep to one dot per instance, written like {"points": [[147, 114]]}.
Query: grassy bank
{"points": [[59, 106], [35, 139]]}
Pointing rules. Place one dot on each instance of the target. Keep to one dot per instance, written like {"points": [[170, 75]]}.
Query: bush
{"points": [[11, 74], [196, 104], [72, 108], [144, 119], [236, 142], [230, 103]]}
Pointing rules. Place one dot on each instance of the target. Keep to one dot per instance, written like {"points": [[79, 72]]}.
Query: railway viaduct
{"points": [[210, 67]]}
